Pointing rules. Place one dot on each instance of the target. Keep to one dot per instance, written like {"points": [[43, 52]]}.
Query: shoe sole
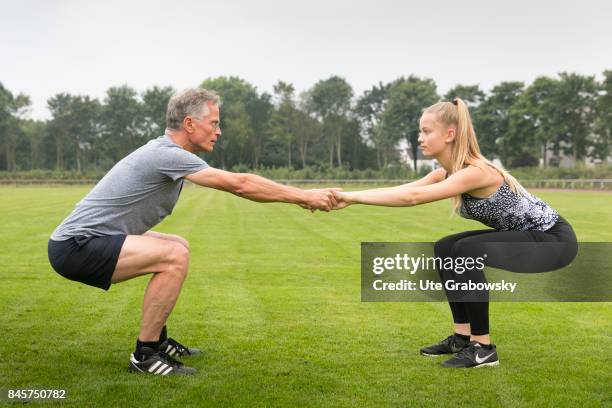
{"points": [[133, 369], [436, 355], [491, 364]]}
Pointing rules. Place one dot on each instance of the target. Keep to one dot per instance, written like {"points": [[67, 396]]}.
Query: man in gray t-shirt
{"points": [[135, 195], [108, 239]]}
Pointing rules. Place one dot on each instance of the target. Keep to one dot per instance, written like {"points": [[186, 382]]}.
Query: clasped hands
{"points": [[326, 199]]}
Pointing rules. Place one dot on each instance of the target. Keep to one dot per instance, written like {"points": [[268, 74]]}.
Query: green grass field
{"points": [[273, 297]]}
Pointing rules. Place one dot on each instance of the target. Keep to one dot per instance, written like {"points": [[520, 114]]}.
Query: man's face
{"points": [[204, 132]]}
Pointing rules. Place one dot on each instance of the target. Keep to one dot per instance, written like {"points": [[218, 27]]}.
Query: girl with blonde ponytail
{"points": [[482, 191], [465, 150]]}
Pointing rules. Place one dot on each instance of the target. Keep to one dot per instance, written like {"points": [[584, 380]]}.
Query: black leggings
{"points": [[501, 253]]}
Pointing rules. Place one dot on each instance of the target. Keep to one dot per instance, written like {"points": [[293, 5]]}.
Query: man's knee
{"points": [[178, 259], [182, 240]]}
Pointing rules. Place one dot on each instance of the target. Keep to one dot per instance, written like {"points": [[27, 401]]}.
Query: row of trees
{"points": [[323, 126]]}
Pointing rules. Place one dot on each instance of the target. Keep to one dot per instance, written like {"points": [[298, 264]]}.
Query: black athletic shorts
{"points": [[87, 259]]}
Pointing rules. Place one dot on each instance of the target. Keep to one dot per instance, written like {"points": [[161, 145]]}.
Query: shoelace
{"points": [[447, 341], [466, 351], [181, 349], [166, 358]]}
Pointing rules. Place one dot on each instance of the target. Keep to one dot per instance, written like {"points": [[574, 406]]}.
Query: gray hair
{"points": [[189, 102]]}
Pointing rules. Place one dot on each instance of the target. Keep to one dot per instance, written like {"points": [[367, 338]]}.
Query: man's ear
{"points": [[188, 124]]}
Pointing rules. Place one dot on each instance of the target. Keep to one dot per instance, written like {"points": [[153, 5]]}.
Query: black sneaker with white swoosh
{"points": [[474, 355], [157, 362]]}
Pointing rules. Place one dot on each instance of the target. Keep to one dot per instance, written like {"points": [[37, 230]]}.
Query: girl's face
{"points": [[434, 136]]}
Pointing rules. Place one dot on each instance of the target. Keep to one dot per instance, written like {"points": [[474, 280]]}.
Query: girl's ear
{"points": [[450, 135]]}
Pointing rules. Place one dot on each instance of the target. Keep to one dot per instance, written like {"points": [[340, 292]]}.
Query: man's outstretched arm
{"points": [[261, 189]]}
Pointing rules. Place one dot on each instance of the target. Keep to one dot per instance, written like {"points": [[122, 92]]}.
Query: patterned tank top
{"points": [[507, 211]]}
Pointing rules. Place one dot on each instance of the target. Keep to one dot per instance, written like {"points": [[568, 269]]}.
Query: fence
{"points": [[592, 184], [600, 184]]}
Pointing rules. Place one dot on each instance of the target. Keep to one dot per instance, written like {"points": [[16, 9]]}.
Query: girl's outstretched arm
{"points": [[465, 180]]}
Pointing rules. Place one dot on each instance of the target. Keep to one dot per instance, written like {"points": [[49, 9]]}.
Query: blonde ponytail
{"points": [[465, 150]]}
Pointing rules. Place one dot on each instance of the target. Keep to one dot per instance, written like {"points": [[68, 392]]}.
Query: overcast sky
{"points": [[84, 47]]}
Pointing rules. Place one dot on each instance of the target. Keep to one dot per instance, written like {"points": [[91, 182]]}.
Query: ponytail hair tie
{"points": [[455, 101]]}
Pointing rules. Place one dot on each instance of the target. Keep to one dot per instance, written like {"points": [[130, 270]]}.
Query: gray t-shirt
{"points": [[135, 195]]}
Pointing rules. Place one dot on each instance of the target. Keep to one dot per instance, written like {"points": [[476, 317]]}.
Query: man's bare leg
{"points": [[168, 260], [167, 237], [160, 297]]}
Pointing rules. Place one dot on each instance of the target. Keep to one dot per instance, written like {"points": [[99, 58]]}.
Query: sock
{"points": [[463, 337], [163, 336], [154, 345]]}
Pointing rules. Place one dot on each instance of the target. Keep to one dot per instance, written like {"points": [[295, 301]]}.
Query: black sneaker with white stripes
{"points": [[174, 348], [157, 362], [474, 355], [450, 345]]}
